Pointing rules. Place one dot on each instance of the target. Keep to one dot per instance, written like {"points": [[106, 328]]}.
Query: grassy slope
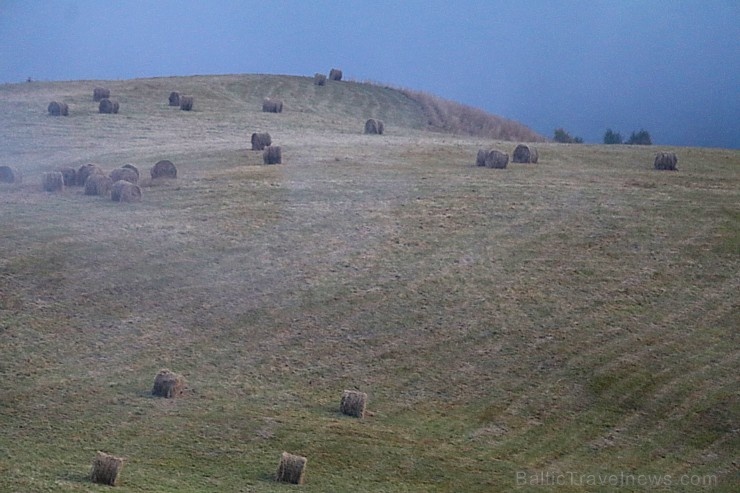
{"points": [[578, 316]]}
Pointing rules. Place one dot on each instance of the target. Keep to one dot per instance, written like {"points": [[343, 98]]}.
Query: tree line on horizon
{"points": [[641, 137]]}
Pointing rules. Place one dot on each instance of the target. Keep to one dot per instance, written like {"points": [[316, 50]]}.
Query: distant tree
{"points": [[641, 138], [564, 137], [611, 137]]}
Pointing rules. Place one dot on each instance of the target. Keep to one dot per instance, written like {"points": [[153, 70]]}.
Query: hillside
{"points": [[574, 320]]}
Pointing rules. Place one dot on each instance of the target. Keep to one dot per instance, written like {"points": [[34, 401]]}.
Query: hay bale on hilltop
{"points": [[260, 141], [272, 105], [127, 174], [132, 167], [56, 108], [272, 155], [353, 403], [52, 181], [84, 171], [163, 169], [69, 175], [319, 79], [9, 174], [374, 127], [666, 161], [186, 103], [174, 98], [100, 93], [168, 384], [106, 469], [335, 74], [491, 158], [291, 469], [124, 191], [108, 107], [98, 184], [524, 154]]}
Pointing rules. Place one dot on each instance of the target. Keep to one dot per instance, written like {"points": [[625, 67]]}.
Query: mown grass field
{"points": [[576, 319]]}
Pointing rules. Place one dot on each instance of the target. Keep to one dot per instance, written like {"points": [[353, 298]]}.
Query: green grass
{"points": [[579, 315]]}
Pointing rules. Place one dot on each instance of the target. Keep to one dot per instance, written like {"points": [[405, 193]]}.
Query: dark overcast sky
{"points": [[670, 67]]}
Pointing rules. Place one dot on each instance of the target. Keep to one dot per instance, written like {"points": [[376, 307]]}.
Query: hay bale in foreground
{"points": [[186, 103], [58, 109], [291, 469], [163, 169], [108, 107], [272, 155], [174, 98], [69, 175], [353, 403], [335, 74], [100, 93], [496, 159], [53, 181], [8, 174], [319, 79], [84, 171], [106, 469], [666, 161], [128, 174], [98, 184], [124, 191], [524, 154], [272, 105], [260, 141], [168, 384], [374, 127]]}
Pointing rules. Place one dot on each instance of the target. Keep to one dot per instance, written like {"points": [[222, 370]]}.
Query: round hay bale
{"points": [[98, 184], [127, 174], [107, 106], [272, 155], [53, 181], [106, 469], [186, 103], [124, 191], [319, 79], [174, 98], [496, 159], [9, 174], [84, 171], [371, 126], [168, 384], [70, 176], [353, 403], [260, 141], [381, 127], [291, 469], [335, 74], [524, 154], [272, 105], [100, 93], [132, 167], [480, 160], [666, 161], [58, 109], [163, 169]]}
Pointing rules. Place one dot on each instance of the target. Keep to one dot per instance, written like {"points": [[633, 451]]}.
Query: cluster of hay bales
{"points": [[168, 384], [108, 107], [85, 171], [100, 93], [665, 161], [58, 109], [272, 155], [106, 469], [9, 174], [186, 103], [492, 158], [374, 127], [260, 141], [335, 74], [163, 169], [272, 105], [319, 79], [174, 98], [524, 154]]}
